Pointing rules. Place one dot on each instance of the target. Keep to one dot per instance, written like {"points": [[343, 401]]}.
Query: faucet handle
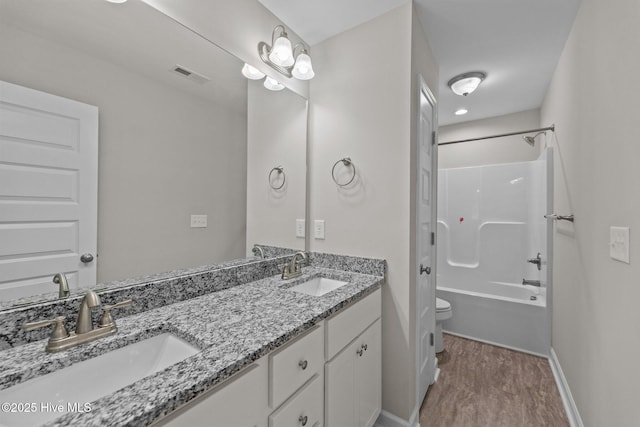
{"points": [[106, 319], [59, 331]]}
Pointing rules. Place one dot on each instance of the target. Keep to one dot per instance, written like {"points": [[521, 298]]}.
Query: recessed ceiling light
{"points": [[466, 83], [461, 112]]}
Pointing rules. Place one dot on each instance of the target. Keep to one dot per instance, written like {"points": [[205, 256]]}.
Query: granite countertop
{"points": [[233, 327]]}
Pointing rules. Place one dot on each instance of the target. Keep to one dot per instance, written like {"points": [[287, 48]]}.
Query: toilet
{"points": [[443, 312]]}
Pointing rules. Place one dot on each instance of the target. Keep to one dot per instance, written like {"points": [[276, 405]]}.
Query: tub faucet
{"points": [[294, 267], [531, 282]]}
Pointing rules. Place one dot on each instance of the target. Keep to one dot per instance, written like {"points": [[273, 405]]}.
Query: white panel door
{"points": [[425, 284], [48, 191]]}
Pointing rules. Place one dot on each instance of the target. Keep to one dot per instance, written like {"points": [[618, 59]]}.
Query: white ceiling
{"points": [[516, 42]]}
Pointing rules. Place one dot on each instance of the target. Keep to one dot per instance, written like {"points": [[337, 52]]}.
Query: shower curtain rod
{"points": [[552, 128]]}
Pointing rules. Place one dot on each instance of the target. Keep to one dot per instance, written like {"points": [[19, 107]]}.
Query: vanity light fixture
{"points": [[251, 72], [461, 112], [273, 84], [464, 84], [281, 57]]}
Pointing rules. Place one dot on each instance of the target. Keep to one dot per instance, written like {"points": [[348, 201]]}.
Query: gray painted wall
{"points": [[593, 100], [490, 151], [163, 155], [361, 108]]}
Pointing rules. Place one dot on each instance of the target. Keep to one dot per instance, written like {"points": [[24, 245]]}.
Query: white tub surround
{"points": [[490, 223]]}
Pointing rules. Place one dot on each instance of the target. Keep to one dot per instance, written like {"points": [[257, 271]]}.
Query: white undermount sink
{"points": [[318, 286], [91, 379]]}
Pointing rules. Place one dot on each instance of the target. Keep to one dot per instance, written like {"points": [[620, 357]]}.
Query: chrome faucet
{"points": [[84, 323], [531, 282], [257, 251], [63, 288], [60, 339], [294, 267]]}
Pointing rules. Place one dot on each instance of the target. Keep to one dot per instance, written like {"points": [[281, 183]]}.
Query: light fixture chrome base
{"points": [[264, 50]]}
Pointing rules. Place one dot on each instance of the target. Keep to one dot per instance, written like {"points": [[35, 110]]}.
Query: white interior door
{"points": [[426, 202], [48, 191]]}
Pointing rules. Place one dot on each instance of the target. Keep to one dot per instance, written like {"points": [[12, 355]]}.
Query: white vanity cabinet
{"points": [[241, 401], [330, 376], [353, 380]]}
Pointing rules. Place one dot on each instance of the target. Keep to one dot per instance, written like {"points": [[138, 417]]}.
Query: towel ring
{"points": [[347, 162], [280, 170]]}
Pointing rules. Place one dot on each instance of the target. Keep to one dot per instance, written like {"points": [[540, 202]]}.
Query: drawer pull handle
{"points": [[360, 352], [303, 420], [303, 365]]}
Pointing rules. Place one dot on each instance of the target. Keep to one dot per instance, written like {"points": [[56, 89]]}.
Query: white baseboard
{"points": [[565, 392], [508, 347], [387, 419]]}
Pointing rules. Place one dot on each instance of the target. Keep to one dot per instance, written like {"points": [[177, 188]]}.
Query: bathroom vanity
{"points": [[268, 354], [333, 371]]}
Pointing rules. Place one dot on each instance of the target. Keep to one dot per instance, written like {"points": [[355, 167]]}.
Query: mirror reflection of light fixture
{"points": [[281, 57], [464, 84], [273, 84], [252, 73]]}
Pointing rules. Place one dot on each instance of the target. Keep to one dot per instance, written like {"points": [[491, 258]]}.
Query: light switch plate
{"points": [[318, 229], [619, 244], [198, 221], [299, 227]]}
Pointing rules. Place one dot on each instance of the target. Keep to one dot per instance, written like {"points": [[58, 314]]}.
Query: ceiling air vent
{"points": [[190, 74]]}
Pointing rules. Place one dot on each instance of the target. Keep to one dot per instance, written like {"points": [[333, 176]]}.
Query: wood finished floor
{"points": [[481, 385]]}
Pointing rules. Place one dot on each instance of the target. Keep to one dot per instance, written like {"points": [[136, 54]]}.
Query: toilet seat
{"points": [[442, 305], [443, 310]]}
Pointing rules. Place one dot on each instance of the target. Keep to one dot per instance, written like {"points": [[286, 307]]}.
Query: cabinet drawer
{"points": [[293, 365], [304, 409], [349, 323]]}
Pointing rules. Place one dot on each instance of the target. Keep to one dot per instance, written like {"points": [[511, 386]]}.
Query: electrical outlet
{"points": [[619, 243], [318, 229], [198, 221], [300, 228]]}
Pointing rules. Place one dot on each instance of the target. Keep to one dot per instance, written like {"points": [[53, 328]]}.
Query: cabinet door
{"points": [[368, 376], [340, 389], [241, 402]]}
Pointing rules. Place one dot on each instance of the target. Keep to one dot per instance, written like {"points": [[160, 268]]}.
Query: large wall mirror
{"points": [[170, 145]]}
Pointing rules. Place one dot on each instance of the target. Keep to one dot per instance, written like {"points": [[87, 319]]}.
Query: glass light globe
{"points": [[273, 84], [303, 70], [281, 53], [251, 72]]}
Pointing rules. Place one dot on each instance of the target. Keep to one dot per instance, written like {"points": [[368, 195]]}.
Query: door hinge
{"points": [[433, 137], [433, 238], [431, 339]]}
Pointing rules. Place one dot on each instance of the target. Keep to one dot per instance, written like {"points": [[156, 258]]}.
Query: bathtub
{"points": [[503, 314]]}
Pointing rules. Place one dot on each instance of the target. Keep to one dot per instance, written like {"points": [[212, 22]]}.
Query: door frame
{"points": [[423, 88]]}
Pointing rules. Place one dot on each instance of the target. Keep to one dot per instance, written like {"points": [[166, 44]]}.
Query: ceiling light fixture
{"points": [[464, 84], [281, 57], [116, 1], [461, 112]]}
